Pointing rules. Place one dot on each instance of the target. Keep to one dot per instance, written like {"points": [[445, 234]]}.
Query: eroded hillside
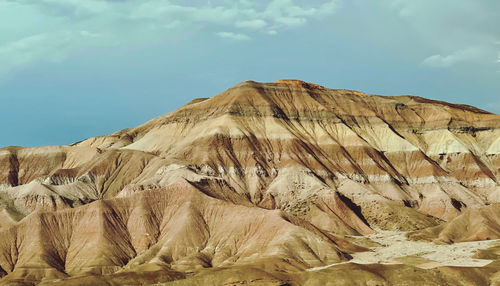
{"points": [[257, 184]]}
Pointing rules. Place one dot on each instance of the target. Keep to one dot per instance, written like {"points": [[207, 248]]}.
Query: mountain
{"points": [[264, 184]]}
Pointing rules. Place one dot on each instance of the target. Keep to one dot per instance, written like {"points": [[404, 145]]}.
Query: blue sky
{"points": [[72, 69]]}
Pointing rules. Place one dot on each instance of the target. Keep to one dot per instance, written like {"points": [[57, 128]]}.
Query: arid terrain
{"points": [[283, 183]]}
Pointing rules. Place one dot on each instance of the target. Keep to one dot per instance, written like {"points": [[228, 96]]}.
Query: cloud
{"points": [[288, 8], [68, 8], [472, 54], [287, 13], [45, 47], [463, 32], [291, 21], [241, 14], [233, 36], [252, 24], [71, 24]]}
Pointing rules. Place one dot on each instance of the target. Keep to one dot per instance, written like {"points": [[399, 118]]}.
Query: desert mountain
{"points": [[258, 184]]}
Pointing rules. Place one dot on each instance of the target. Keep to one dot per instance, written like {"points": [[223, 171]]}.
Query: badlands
{"points": [[283, 183]]}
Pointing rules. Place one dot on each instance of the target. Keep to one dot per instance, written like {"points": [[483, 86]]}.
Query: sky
{"points": [[73, 69]]}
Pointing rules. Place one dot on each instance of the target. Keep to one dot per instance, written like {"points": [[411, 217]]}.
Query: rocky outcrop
{"points": [[471, 225]]}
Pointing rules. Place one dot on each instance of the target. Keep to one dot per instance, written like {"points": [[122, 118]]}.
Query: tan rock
{"points": [[264, 176]]}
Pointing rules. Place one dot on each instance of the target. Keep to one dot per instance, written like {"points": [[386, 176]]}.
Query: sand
{"points": [[394, 248]]}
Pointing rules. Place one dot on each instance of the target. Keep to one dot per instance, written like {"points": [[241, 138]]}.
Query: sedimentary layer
{"points": [[268, 176]]}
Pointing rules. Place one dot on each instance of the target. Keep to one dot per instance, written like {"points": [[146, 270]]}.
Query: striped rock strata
{"points": [[263, 173]]}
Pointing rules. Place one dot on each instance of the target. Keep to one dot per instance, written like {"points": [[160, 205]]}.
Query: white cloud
{"points": [[73, 23], [288, 8], [463, 32], [286, 13], [233, 36], [251, 24], [291, 21], [47, 47], [241, 14], [471, 54], [69, 8], [89, 34]]}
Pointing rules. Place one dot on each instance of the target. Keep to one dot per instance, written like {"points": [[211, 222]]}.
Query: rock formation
{"points": [[256, 185]]}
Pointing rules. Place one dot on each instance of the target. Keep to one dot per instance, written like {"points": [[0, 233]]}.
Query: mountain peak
{"points": [[296, 82], [286, 170]]}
